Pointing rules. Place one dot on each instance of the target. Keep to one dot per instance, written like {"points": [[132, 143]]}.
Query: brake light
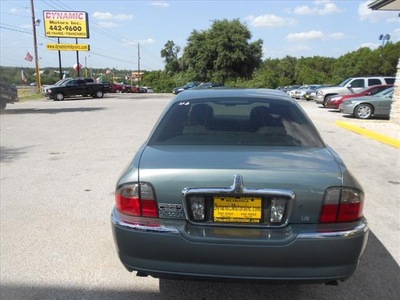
{"points": [[342, 205], [137, 200]]}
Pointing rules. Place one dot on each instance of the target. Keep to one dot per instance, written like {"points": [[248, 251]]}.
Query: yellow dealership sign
{"points": [[66, 24], [68, 47]]}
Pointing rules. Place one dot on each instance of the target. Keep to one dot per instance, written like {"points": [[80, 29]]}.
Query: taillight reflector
{"points": [[130, 206], [350, 212], [137, 200], [329, 213], [342, 205]]}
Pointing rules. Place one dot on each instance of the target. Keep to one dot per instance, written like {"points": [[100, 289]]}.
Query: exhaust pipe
{"points": [[333, 282], [141, 274]]}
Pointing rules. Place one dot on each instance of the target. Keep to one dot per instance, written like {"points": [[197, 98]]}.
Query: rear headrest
{"points": [[201, 114]]}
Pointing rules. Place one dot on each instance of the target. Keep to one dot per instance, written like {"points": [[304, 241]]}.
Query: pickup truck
{"points": [[75, 87], [350, 86], [8, 94]]}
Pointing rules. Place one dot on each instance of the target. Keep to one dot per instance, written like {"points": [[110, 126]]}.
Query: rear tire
{"points": [[363, 111], [99, 94]]}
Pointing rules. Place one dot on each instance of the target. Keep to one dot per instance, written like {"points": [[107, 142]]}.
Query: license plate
{"points": [[237, 209]]}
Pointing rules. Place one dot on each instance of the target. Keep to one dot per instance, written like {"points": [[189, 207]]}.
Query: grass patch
{"points": [[32, 97]]}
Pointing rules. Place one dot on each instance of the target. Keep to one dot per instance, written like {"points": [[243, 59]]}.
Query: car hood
{"points": [[337, 90]]}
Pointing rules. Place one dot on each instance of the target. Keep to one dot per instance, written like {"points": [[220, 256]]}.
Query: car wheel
{"points": [[363, 111], [325, 101], [99, 94], [59, 97], [3, 104]]}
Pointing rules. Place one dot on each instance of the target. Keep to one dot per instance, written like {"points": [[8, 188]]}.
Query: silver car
{"points": [[238, 184], [365, 107]]}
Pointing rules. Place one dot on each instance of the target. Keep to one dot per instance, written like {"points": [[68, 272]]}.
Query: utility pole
{"points": [[34, 23]]}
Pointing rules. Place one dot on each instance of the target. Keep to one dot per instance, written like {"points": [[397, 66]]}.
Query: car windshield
{"points": [[344, 83], [243, 121], [60, 82]]}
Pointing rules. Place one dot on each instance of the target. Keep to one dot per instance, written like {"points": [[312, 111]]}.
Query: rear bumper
{"points": [[176, 248]]}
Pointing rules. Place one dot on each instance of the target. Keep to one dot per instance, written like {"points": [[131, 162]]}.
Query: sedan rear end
{"points": [[238, 184]]}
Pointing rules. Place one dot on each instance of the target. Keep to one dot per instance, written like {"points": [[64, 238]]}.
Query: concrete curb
{"points": [[369, 133]]}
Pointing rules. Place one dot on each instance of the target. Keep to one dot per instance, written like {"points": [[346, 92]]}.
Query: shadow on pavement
{"points": [[49, 110], [377, 277], [9, 154]]}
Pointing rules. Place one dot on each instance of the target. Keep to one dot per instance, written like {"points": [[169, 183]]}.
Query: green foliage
{"points": [[170, 55], [159, 81], [223, 52]]}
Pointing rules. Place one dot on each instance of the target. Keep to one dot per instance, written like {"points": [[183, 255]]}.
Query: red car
{"points": [[117, 88], [335, 101]]}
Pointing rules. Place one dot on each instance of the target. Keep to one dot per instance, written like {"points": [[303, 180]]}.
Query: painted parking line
{"points": [[369, 133]]}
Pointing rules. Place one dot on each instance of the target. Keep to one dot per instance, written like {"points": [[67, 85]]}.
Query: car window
{"points": [[357, 83], [389, 80], [235, 122], [379, 89], [374, 81]]}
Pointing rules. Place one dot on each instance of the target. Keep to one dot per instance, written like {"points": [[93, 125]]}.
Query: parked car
{"points": [[148, 89], [187, 86], [349, 86], [8, 94], [140, 89], [127, 88], [75, 87], [209, 85], [107, 86], [335, 101], [311, 92], [236, 183], [289, 88], [301, 91], [117, 87], [368, 106]]}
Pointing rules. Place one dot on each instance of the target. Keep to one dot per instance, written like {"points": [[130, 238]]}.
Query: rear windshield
{"points": [[235, 122]]}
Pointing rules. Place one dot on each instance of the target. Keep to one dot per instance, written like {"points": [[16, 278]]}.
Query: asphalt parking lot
{"points": [[59, 164]]}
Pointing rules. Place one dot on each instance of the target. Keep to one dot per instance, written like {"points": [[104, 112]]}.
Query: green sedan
{"points": [[238, 184], [368, 106]]}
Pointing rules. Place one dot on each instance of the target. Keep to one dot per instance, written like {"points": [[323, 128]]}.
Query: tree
{"points": [[170, 55], [222, 52]]}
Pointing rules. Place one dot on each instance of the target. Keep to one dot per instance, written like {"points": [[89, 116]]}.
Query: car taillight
{"points": [[137, 200], [342, 205]]}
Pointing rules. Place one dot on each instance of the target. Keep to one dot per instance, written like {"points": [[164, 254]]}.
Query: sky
{"points": [[122, 30]]}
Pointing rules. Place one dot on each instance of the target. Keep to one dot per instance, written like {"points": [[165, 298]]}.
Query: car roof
{"points": [[233, 93]]}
